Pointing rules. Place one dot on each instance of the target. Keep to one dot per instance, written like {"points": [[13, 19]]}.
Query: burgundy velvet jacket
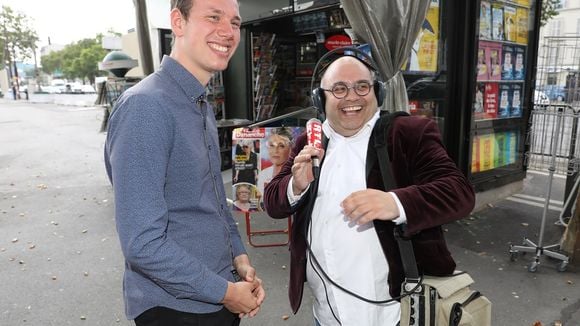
{"points": [[432, 190]]}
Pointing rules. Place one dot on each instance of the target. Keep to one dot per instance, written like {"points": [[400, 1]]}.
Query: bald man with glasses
{"points": [[342, 236]]}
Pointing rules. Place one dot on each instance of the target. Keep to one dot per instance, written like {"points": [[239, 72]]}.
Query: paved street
{"points": [[60, 261]]}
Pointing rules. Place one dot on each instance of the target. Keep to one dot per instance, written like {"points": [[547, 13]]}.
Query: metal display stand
{"points": [[252, 233], [546, 140]]}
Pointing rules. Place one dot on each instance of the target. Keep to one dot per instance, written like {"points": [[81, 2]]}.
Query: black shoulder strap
{"points": [[379, 137]]}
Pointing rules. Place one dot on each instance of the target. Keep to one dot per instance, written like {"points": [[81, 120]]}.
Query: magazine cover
{"points": [[499, 148], [497, 29], [522, 22], [425, 51], [485, 21], [482, 65], [258, 155], [277, 145], [478, 105], [510, 23], [475, 154], [245, 168], [516, 101], [507, 67], [493, 59], [503, 110], [510, 142], [519, 64], [486, 152], [490, 100], [512, 138]]}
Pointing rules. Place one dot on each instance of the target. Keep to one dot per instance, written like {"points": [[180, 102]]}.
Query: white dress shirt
{"points": [[350, 254]]}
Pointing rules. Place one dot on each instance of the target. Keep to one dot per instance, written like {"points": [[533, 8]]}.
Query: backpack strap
{"points": [[379, 138]]}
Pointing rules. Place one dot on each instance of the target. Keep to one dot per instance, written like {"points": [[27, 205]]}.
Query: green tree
{"points": [[78, 60], [17, 39], [548, 11], [51, 63]]}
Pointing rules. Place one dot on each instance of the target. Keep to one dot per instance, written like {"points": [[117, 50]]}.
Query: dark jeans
{"points": [[161, 316]]}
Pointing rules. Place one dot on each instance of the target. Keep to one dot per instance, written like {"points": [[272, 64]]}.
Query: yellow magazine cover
{"points": [[522, 15], [424, 54], [487, 152], [523, 2], [510, 23], [475, 155]]}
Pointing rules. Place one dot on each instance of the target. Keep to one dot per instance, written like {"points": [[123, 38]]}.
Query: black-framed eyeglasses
{"points": [[340, 90]]}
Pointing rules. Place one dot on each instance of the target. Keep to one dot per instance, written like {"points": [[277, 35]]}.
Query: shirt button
{"points": [[209, 147]]}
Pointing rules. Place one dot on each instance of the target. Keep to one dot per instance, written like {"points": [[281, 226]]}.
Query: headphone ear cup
{"points": [[380, 92], [318, 99]]}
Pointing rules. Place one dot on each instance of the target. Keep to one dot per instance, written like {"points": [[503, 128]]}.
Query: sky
{"points": [[68, 21]]}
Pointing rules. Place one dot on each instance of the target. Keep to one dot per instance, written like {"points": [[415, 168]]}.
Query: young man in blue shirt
{"points": [[181, 245]]}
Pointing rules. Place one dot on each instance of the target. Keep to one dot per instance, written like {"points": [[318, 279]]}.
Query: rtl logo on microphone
{"points": [[314, 132]]}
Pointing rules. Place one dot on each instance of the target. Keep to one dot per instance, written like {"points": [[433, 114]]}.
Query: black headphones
{"points": [[317, 94]]}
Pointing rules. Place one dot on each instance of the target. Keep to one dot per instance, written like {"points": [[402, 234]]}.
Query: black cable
{"points": [[323, 283], [325, 293], [398, 298]]}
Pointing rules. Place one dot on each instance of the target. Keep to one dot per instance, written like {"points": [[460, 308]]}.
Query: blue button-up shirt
{"points": [[176, 231]]}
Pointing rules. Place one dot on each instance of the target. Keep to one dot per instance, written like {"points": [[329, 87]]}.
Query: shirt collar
{"points": [[183, 78], [333, 135]]}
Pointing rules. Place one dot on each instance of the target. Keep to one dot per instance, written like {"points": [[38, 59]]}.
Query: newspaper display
{"points": [[257, 156]]}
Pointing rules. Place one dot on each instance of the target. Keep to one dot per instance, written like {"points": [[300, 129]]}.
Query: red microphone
{"points": [[314, 134]]}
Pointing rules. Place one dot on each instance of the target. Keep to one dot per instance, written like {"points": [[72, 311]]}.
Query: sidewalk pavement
{"points": [[79, 100]]}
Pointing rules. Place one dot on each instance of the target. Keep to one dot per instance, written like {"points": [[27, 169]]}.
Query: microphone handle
{"points": [[316, 167]]}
